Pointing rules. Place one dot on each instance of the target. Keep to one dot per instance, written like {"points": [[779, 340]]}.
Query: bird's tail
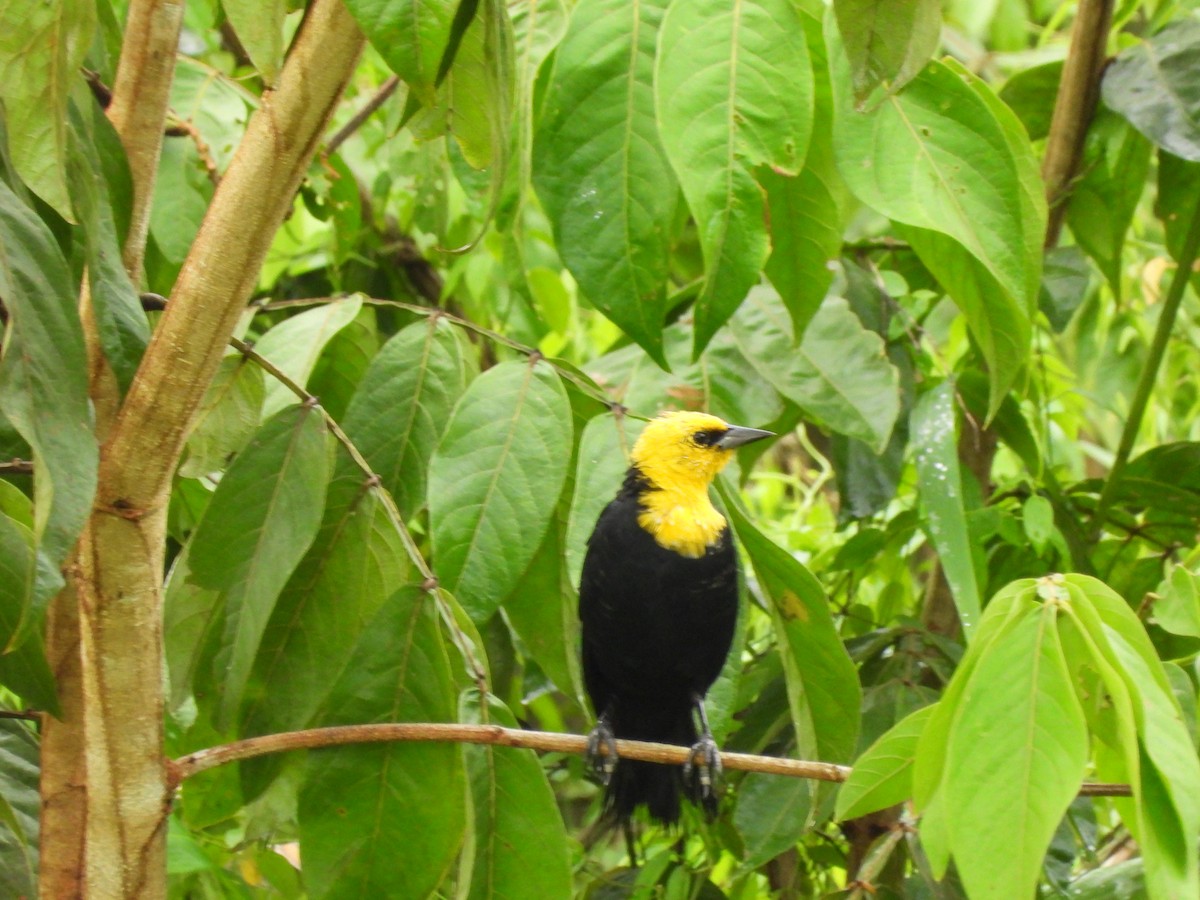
{"points": [[656, 785]]}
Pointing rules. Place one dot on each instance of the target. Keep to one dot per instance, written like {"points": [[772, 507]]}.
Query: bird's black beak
{"points": [[737, 436]]}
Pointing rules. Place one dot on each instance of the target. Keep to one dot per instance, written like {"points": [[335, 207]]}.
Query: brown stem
{"points": [[1078, 94], [139, 107], [380, 97], [547, 741]]}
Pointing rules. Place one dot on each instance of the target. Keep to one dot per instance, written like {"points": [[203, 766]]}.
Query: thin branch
{"points": [[1078, 94], [385, 90], [17, 467], [1149, 373], [546, 741]]}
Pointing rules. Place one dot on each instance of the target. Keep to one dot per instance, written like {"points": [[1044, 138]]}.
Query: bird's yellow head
{"points": [[679, 454]]}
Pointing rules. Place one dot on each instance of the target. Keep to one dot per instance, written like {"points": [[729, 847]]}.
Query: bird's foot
{"points": [[703, 768], [603, 764]]}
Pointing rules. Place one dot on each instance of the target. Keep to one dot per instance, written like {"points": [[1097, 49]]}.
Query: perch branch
{"points": [[546, 741]]}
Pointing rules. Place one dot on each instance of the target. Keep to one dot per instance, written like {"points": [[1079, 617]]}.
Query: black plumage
{"points": [[657, 626]]}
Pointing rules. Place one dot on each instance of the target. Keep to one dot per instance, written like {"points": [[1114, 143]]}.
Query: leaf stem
{"points": [[1154, 358]]}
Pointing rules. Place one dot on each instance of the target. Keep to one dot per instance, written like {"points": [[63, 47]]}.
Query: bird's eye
{"points": [[707, 438]]}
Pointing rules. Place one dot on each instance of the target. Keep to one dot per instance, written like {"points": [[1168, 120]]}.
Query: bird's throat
{"points": [[685, 522]]}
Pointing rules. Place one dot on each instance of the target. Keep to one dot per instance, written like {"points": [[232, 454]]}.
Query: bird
{"points": [[658, 605]]}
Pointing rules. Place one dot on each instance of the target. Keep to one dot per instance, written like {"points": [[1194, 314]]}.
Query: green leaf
{"points": [[19, 806], [295, 345], [191, 620], [1105, 196], [400, 409], [734, 90], [478, 94], [1015, 758], [410, 35], [495, 479], [25, 671], [97, 152], [1176, 198], [1153, 85], [1177, 608], [600, 170], [882, 775], [261, 520], [543, 610], [44, 384], [520, 843], [1066, 280], [772, 814], [1031, 93], [887, 42], [935, 445], [1037, 518], [341, 368], [354, 564], [386, 820], [227, 417], [839, 375], [41, 48], [259, 27], [822, 682], [603, 459], [950, 162], [18, 567]]}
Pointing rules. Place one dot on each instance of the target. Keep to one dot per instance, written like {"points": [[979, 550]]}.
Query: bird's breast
{"points": [[687, 525]]}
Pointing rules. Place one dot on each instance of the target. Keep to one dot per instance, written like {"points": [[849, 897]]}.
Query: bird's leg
{"points": [[708, 770], [603, 764]]}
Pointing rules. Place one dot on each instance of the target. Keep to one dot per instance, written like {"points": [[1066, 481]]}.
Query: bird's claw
{"points": [[707, 772], [603, 764]]}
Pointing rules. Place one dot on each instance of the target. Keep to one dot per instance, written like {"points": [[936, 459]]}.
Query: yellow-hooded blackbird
{"points": [[658, 605]]}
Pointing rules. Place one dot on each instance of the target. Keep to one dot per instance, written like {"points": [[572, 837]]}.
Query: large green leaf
{"points": [[386, 820], [599, 168], [261, 520], [19, 807], [353, 566], [772, 814], [44, 384], [42, 46], [295, 345], [839, 375], [18, 566], [887, 42], [734, 90], [259, 27], [946, 158], [401, 407], [1015, 758], [1106, 194], [935, 444], [1153, 85], [520, 844], [228, 415], [97, 155], [495, 479], [410, 35], [882, 775], [1176, 199], [822, 681]]}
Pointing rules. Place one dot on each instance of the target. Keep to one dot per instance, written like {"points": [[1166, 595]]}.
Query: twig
{"points": [[385, 90], [1149, 373], [1078, 94], [17, 467], [546, 741]]}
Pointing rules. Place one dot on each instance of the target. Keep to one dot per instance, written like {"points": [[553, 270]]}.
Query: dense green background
{"points": [[829, 223]]}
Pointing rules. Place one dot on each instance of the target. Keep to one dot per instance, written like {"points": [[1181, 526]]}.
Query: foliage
{"points": [[562, 218]]}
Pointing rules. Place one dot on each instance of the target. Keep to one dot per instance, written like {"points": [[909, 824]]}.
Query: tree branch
{"points": [[1078, 94], [547, 741], [380, 97]]}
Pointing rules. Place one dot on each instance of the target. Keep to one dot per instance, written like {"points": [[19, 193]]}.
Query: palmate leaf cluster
{"points": [[562, 218]]}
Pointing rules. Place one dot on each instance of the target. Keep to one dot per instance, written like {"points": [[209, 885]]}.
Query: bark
{"points": [[1074, 107], [107, 834]]}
